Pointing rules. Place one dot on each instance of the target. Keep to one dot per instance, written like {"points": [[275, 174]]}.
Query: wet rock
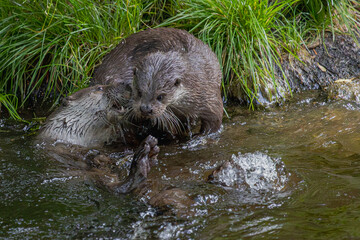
{"points": [[323, 63], [314, 67], [345, 89]]}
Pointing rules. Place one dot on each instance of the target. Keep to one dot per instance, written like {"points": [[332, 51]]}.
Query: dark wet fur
{"points": [[157, 58]]}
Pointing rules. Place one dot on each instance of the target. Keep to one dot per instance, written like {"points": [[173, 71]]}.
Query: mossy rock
{"points": [[345, 89]]}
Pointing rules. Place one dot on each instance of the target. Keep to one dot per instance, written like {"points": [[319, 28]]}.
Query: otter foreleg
{"points": [[210, 124], [144, 157]]}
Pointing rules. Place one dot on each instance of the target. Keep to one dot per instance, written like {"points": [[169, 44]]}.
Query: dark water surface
{"points": [[301, 165]]}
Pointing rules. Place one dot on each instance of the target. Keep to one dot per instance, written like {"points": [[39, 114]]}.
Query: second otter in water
{"points": [[90, 117], [175, 78]]}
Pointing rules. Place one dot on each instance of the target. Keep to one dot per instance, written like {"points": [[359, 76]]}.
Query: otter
{"points": [[163, 76], [175, 79], [91, 117]]}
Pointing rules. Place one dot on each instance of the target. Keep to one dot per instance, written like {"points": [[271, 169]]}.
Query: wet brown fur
{"points": [[172, 63]]}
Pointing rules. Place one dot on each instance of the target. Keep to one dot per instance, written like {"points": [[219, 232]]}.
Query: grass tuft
{"points": [[245, 35], [10, 102], [50, 48], [250, 37]]}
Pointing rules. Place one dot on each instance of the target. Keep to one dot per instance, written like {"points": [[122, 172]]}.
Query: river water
{"points": [[294, 173]]}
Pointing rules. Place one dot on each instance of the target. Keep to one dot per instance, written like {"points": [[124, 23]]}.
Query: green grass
{"points": [[249, 38], [323, 15], [53, 46], [10, 103], [49, 48]]}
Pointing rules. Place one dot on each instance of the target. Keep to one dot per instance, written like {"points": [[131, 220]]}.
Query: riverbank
{"points": [[50, 49]]}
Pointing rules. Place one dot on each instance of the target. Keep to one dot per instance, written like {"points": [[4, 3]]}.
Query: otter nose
{"points": [[145, 109]]}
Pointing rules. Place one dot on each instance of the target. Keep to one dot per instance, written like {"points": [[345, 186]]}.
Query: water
{"points": [[293, 172]]}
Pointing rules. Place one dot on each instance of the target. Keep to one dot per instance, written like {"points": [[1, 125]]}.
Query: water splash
{"points": [[170, 231], [256, 171], [199, 142]]}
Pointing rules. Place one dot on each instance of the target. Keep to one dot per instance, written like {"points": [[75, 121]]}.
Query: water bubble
{"points": [[207, 199], [58, 179], [139, 231], [169, 231]]}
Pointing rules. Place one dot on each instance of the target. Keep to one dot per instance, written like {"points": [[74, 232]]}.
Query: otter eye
{"points": [[177, 82], [160, 97], [139, 93]]}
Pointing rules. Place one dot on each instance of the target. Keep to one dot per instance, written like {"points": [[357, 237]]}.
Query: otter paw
{"points": [[145, 156], [141, 165], [154, 149]]}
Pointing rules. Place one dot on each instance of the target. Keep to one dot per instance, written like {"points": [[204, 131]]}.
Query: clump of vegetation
{"points": [[249, 37], [10, 103], [245, 36], [49, 48]]}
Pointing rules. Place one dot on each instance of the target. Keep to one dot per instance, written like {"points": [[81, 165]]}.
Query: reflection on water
{"points": [[296, 171]]}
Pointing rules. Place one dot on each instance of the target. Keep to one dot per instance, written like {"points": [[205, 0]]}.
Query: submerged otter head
{"points": [[90, 117], [158, 89]]}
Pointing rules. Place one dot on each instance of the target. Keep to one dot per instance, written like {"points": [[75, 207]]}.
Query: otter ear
{"points": [[128, 91], [134, 81], [177, 82], [128, 87]]}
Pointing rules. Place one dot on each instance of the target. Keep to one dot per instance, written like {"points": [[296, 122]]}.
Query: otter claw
{"points": [[154, 150], [122, 110], [152, 141]]}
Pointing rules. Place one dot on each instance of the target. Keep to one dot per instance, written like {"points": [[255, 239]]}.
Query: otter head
{"points": [[158, 87], [90, 117]]}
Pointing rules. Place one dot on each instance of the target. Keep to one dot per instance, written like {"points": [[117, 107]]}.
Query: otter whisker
{"points": [[128, 114], [180, 112], [172, 122], [168, 121]]}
